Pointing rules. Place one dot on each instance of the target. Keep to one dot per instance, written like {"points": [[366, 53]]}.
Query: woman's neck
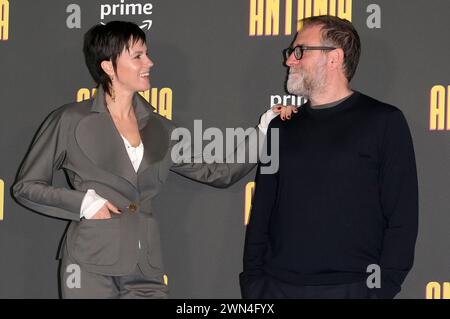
{"points": [[122, 106]]}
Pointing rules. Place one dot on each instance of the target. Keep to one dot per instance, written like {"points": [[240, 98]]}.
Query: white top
{"points": [[92, 202], [135, 153]]}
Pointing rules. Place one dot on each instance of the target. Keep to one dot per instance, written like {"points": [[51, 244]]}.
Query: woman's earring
{"points": [[113, 93]]}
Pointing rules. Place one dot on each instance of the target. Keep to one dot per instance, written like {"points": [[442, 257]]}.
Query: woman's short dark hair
{"points": [[340, 33], [107, 42]]}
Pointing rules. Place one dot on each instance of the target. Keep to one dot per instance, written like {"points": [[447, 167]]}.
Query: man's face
{"points": [[309, 75]]}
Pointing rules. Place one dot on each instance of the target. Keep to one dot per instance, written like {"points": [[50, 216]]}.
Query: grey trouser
{"points": [[90, 285]]}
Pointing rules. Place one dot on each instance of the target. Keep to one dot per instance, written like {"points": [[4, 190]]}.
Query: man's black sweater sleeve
{"points": [[257, 234], [399, 202]]}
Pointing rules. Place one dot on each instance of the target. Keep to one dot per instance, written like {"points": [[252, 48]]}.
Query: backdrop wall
{"points": [[219, 61]]}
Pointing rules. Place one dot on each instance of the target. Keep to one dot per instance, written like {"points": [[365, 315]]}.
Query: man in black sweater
{"points": [[342, 210]]}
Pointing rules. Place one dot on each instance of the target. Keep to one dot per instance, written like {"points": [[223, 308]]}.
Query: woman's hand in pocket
{"points": [[105, 211]]}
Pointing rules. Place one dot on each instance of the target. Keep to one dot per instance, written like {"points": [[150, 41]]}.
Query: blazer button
{"points": [[133, 207]]}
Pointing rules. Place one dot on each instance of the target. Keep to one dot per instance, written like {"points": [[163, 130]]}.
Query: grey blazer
{"points": [[81, 139]]}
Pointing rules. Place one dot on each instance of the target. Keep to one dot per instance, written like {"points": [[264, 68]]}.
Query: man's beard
{"points": [[306, 83]]}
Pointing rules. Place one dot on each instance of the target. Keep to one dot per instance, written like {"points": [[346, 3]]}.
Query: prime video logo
{"points": [[127, 9]]}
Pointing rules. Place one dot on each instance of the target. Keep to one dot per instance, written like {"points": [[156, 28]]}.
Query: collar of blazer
{"points": [[101, 142], [141, 107]]}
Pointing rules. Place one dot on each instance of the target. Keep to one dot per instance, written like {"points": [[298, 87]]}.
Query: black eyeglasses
{"points": [[299, 49]]}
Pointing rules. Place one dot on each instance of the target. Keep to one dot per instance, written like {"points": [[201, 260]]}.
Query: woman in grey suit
{"points": [[117, 153]]}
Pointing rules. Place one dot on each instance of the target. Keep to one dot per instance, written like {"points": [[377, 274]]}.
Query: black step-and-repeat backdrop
{"points": [[219, 61]]}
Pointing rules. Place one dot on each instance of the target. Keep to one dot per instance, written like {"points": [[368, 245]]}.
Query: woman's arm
{"points": [[33, 187], [236, 164]]}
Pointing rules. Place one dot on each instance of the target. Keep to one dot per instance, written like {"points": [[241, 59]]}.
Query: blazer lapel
{"points": [[100, 141], [154, 135]]}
